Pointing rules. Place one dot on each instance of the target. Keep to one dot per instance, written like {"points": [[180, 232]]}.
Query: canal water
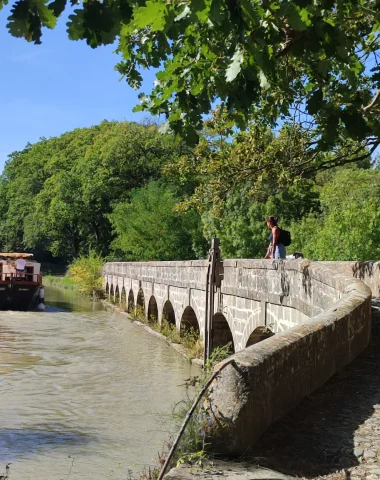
{"points": [[84, 393]]}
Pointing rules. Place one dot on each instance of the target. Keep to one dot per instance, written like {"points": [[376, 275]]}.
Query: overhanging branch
{"points": [[373, 103]]}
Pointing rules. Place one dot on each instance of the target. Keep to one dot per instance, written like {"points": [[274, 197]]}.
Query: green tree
{"points": [[241, 226], [56, 195], [59, 218], [348, 227], [315, 62], [149, 228]]}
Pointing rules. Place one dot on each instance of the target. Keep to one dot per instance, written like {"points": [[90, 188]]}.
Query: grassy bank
{"points": [[61, 281], [188, 337]]}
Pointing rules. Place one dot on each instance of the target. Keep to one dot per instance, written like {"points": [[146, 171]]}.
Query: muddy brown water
{"points": [[84, 393]]}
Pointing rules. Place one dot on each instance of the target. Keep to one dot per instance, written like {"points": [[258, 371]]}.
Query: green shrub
{"points": [[85, 273], [192, 341], [170, 331], [138, 314]]}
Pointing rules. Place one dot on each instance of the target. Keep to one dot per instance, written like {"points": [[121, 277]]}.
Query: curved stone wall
{"points": [[329, 315], [368, 272]]}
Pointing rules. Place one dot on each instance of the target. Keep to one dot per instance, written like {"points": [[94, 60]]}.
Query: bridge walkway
{"points": [[336, 431]]}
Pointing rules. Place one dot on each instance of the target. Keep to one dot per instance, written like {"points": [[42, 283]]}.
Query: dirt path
{"points": [[336, 431]]}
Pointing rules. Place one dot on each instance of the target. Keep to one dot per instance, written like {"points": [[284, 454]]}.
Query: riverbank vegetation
{"points": [[191, 446], [85, 273], [62, 281], [127, 192], [83, 276], [188, 338]]}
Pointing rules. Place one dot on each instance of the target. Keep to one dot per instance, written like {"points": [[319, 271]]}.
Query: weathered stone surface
{"points": [[367, 272], [369, 454], [358, 452], [332, 422], [225, 470]]}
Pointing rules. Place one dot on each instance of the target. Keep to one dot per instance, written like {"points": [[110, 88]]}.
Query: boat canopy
{"points": [[16, 255]]}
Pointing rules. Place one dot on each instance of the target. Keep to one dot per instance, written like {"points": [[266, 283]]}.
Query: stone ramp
{"points": [[335, 432]]}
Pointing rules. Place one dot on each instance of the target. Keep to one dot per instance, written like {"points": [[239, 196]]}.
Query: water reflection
{"points": [[66, 300], [19, 442], [80, 382]]}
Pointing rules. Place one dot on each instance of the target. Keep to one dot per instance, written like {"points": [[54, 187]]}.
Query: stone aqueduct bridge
{"points": [[252, 294], [320, 313]]}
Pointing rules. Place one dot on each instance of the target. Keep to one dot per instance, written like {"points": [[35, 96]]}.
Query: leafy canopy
{"points": [[55, 195], [148, 228], [348, 226], [255, 162], [311, 61]]}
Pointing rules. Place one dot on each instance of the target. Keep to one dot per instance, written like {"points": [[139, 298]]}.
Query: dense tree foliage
{"points": [[149, 228], [56, 195], [311, 62], [348, 227], [241, 226], [125, 191], [251, 162]]}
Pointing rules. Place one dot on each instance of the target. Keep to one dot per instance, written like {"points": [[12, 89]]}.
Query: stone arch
{"points": [[123, 299], [168, 312], [117, 294], [140, 302], [221, 332], [189, 320], [131, 302], [111, 290], [107, 288], [152, 310], [258, 335]]}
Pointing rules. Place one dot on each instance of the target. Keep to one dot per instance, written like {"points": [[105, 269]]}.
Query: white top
{"points": [[20, 264]]}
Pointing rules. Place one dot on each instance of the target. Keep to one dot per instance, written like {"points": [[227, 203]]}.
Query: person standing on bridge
{"points": [[276, 250]]}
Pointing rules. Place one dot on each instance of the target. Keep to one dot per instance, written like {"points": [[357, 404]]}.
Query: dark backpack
{"points": [[285, 238]]}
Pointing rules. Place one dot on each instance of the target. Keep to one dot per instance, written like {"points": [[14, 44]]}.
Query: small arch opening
{"points": [[111, 290], [117, 294], [131, 302], [221, 333], [107, 288], [168, 312], [258, 335], [189, 321], [152, 310], [140, 303], [123, 300], [190, 332]]}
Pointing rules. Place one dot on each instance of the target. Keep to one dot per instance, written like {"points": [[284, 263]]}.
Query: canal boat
{"points": [[20, 282]]}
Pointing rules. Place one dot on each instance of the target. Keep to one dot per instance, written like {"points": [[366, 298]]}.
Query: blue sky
{"points": [[51, 88]]}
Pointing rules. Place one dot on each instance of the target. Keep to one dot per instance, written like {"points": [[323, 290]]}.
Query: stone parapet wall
{"points": [[367, 272], [182, 284], [279, 283], [267, 380], [189, 274], [276, 294]]}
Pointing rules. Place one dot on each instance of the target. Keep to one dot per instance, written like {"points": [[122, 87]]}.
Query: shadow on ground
{"points": [[334, 430]]}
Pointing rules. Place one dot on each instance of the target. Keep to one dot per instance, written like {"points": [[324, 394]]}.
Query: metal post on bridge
{"points": [[213, 281]]}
